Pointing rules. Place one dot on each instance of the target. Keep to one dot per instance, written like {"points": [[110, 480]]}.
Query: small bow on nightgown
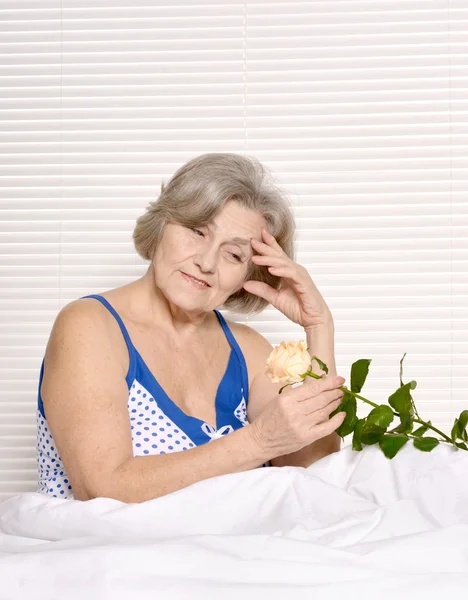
{"points": [[215, 434]]}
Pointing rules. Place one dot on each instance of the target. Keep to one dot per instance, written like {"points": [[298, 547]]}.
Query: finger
{"points": [[339, 395], [270, 239], [274, 261], [323, 404], [316, 386], [281, 271], [334, 396], [286, 270], [327, 427], [262, 289], [263, 248], [322, 414], [329, 397]]}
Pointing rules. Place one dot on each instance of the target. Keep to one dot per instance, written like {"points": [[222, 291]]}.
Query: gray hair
{"points": [[198, 191]]}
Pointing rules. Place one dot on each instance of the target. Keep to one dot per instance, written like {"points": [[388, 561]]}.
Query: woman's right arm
{"points": [[85, 399]]}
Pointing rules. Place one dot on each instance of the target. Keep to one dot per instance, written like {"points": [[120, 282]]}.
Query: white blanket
{"points": [[354, 525]]}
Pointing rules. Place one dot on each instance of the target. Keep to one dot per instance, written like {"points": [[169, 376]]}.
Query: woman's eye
{"points": [[237, 257]]}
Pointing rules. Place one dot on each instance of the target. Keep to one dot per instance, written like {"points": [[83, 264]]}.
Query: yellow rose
{"points": [[288, 361]]}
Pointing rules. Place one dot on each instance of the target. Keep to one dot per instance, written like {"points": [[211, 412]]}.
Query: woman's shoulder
{"points": [[83, 312], [93, 309], [88, 317], [248, 335]]}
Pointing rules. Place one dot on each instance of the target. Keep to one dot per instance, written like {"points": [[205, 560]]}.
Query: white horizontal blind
{"points": [[358, 108]]}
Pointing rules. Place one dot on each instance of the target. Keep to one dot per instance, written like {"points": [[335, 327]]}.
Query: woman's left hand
{"points": [[298, 298]]}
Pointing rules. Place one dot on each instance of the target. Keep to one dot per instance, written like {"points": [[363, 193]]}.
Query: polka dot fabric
{"points": [[241, 412], [52, 476], [157, 425], [153, 432]]}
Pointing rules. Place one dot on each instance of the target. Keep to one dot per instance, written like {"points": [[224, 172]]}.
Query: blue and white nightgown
{"points": [[158, 425]]}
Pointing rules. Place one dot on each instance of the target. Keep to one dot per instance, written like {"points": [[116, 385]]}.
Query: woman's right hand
{"points": [[299, 416]]}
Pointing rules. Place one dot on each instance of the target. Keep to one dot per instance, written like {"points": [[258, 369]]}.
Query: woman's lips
{"points": [[196, 285]]}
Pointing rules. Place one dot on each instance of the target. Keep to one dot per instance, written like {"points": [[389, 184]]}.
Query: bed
{"points": [[352, 525]]}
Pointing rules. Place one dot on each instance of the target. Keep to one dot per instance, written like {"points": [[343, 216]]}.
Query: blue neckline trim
{"points": [[170, 408], [240, 356]]}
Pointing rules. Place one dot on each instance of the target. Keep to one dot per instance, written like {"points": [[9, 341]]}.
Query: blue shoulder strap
{"points": [[127, 340], [116, 315], [237, 350], [131, 348]]}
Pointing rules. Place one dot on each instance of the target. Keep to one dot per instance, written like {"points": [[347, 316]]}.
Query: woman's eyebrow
{"points": [[236, 240], [239, 240]]}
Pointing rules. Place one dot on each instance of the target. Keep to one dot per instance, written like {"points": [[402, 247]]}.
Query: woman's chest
{"points": [[189, 376]]}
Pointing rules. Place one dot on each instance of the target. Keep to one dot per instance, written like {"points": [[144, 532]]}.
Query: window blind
{"points": [[359, 109]]}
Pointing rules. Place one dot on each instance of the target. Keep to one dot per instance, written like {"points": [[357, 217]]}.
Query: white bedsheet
{"points": [[354, 525]]}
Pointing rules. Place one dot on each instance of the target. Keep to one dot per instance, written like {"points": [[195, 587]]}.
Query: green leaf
{"points": [[422, 430], [459, 427], [348, 405], [400, 428], [406, 423], [461, 445], [462, 422], [371, 433], [321, 364], [359, 371], [425, 444], [357, 435], [402, 402], [405, 426], [401, 399], [463, 418], [381, 415], [391, 444]]}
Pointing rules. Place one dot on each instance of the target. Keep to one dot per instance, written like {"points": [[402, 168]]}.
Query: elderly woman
{"points": [[136, 380]]}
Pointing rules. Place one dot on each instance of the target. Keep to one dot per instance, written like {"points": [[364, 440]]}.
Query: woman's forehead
{"points": [[238, 233], [234, 216]]}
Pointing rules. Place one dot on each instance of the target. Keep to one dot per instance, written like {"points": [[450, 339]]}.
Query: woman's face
{"points": [[210, 253]]}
